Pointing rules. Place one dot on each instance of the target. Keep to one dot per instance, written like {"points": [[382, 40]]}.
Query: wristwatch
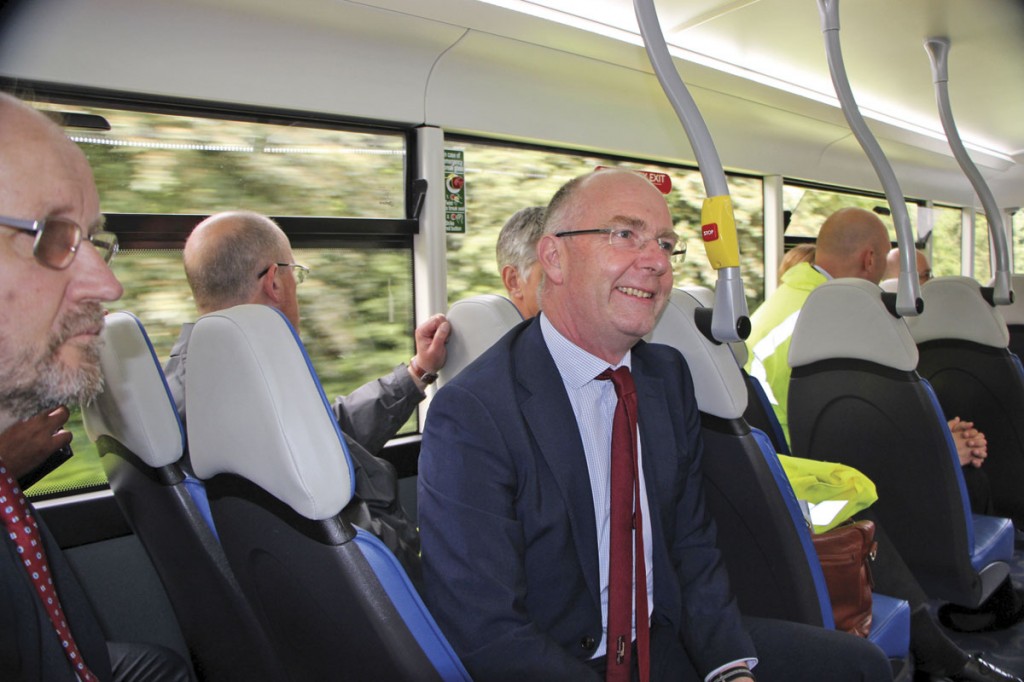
{"points": [[426, 377]]}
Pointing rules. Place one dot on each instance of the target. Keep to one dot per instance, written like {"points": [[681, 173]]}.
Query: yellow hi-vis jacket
{"points": [[772, 327]]}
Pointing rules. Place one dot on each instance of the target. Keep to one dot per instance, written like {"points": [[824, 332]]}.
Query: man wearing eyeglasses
{"points": [[240, 257], [518, 482], [892, 266], [54, 282]]}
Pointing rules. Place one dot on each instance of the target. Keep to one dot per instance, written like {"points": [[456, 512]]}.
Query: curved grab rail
{"points": [[908, 291], [729, 321], [938, 52]]}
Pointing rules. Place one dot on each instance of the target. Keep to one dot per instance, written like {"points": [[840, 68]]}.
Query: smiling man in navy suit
{"points": [[514, 479]]}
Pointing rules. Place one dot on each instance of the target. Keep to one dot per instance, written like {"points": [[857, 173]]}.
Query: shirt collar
{"points": [[576, 366]]}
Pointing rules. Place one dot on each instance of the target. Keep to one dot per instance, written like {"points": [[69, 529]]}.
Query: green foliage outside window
{"points": [[500, 180], [982, 262], [357, 314], [1017, 220], [946, 241]]}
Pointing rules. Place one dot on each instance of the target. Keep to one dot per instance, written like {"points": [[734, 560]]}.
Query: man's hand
{"points": [[971, 445], [430, 338], [26, 444]]}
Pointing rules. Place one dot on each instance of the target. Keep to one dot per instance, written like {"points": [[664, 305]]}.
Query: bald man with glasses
{"points": [[238, 257]]}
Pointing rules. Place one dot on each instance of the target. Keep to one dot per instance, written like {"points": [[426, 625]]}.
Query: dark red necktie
{"points": [[22, 530], [626, 536]]}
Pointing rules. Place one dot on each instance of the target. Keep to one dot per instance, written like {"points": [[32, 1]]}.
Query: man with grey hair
{"points": [[238, 257], [54, 281], [517, 259]]}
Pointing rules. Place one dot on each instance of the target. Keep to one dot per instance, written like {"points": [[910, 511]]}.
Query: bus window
{"points": [[982, 261], [501, 179], [1017, 241], [808, 207], [946, 247], [357, 307]]}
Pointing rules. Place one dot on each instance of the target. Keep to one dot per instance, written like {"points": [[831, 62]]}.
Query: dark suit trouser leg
{"points": [[787, 652], [792, 652], [932, 650], [138, 662]]}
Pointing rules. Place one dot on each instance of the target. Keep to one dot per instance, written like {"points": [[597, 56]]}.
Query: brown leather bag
{"points": [[846, 553]]}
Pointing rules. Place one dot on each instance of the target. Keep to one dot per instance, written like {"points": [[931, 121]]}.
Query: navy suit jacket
{"points": [[507, 517], [29, 648]]}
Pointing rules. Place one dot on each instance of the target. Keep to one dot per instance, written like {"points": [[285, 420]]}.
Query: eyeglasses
{"points": [[300, 271], [626, 239], [58, 239]]}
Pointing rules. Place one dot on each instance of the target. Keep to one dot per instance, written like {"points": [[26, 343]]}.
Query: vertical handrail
{"points": [[729, 321], [908, 291], [938, 53]]}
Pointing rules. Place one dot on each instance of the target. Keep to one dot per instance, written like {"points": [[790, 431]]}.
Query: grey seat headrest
{"points": [[256, 409], [477, 323], [135, 407], [955, 309], [717, 381], [846, 318]]}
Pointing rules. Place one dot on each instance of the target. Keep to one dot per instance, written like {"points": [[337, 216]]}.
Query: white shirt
{"points": [[593, 402]]}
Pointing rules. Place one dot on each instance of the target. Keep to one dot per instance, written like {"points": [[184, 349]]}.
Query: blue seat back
{"points": [[135, 426], [773, 568], [280, 481], [962, 341], [856, 398]]}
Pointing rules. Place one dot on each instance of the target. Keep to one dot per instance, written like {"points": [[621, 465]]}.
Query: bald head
{"points": [[225, 253], [853, 242], [50, 318], [892, 266]]}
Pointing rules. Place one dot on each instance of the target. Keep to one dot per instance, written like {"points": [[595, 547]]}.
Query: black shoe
{"points": [[1002, 610], [978, 669]]}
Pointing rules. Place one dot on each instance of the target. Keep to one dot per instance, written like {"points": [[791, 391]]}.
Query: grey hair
{"points": [[517, 242], [228, 251]]}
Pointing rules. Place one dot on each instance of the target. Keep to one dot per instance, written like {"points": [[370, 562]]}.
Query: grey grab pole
{"points": [[908, 291], [729, 320], [938, 53]]}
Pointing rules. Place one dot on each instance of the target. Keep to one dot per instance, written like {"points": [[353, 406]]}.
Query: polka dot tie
{"points": [[22, 530]]}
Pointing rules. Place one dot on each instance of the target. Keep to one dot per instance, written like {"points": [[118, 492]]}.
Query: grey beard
{"points": [[33, 384], [55, 385]]}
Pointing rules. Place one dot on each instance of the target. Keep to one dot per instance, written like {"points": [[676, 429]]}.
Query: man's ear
{"points": [[269, 290], [510, 278], [549, 255], [867, 260]]}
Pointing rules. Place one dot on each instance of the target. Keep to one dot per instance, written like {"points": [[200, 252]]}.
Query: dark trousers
{"points": [[932, 650], [786, 652], [138, 662]]}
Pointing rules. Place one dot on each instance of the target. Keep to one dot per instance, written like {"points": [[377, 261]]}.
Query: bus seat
{"points": [[477, 322], [758, 412], [963, 342], [855, 394], [889, 284], [334, 601], [1013, 314], [773, 567], [140, 440]]}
